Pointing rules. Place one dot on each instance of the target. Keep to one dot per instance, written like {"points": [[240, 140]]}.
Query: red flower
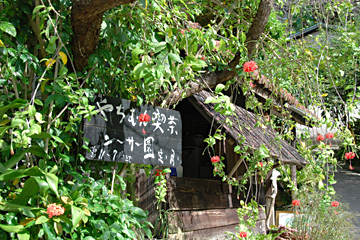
{"points": [[243, 234], [250, 66], [144, 117], [55, 210], [215, 159], [329, 135], [320, 137], [260, 164], [349, 155], [202, 57], [335, 203], [252, 84], [295, 202], [158, 172]]}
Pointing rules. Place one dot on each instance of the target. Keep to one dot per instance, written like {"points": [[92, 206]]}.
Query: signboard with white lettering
{"points": [[124, 132]]}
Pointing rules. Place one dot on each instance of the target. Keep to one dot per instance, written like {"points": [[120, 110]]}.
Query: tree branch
{"points": [[210, 80], [86, 18]]}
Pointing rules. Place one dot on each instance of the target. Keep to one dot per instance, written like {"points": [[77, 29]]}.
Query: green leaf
{"points": [[175, 57], [160, 46], [41, 135], [14, 104], [52, 45], [49, 231], [16, 207], [219, 88], [43, 185], [8, 28], [135, 54], [53, 180], [56, 138], [17, 122], [37, 8], [14, 160], [20, 173], [30, 189], [263, 151], [11, 228], [37, 151], [23, 236], [222, 46], [2, 168], [138, 69], [41, 220], [34, 129], [76, 215], [3, 130]]}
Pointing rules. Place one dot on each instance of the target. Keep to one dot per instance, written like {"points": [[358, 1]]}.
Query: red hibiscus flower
{"points": [[349, 155], [243, 234], [260, 164], [250, 66], [295, 202], [329, 135], [215, 159], [320, 137], [144, 117], [335, 203], [158, 172]]}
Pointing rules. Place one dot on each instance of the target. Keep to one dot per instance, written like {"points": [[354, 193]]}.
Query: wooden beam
{"points": [[238, 163]]}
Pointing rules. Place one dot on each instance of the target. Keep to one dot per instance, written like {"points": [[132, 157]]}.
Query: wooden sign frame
{"points": [[125, 132]]}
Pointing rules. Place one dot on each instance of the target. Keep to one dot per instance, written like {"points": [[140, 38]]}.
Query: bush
{"points": [[320, 217]]}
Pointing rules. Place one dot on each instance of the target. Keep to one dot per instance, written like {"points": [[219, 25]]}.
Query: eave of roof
{"points": [[265, 89], [254, 136]]}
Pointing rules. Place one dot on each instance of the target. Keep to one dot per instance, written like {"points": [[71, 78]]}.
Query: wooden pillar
{"points": [[293, 167]]}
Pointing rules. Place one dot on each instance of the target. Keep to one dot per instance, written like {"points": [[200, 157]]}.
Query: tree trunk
{"points": [[86, 18]]}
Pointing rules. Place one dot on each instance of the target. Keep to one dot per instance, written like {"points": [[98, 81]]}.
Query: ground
{"points": [[347, 188]]}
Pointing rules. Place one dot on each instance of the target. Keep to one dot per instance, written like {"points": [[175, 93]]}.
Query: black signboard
{"points": [[124, 132]]}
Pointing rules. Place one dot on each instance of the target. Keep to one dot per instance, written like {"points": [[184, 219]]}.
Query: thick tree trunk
{"points": [[212, 79], [86, 18]]}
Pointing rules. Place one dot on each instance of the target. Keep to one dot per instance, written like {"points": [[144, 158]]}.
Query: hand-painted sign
{"points": [[124, 132]]}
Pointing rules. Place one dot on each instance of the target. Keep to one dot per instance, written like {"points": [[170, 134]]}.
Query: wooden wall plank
{"points": [[196, 220]]}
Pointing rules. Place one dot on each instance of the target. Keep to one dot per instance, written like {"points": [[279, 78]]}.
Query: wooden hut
{"points": [[200, 205]]}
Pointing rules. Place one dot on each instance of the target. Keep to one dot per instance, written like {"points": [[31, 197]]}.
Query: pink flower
{"points": [[329, 135], [215, 159], [144, 117], [55, 210], [335, 203], [320, 137], [252, 84], [295, 202], [250, 66], [243, 234]]}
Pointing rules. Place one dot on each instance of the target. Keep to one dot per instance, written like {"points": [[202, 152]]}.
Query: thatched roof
{"points": [[254, 136]]}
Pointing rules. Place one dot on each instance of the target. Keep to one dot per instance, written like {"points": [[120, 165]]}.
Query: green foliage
{"points": [[316, 218]]}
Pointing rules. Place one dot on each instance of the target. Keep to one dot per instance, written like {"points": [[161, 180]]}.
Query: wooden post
{"points": [[293, 167], [271, 196]]}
